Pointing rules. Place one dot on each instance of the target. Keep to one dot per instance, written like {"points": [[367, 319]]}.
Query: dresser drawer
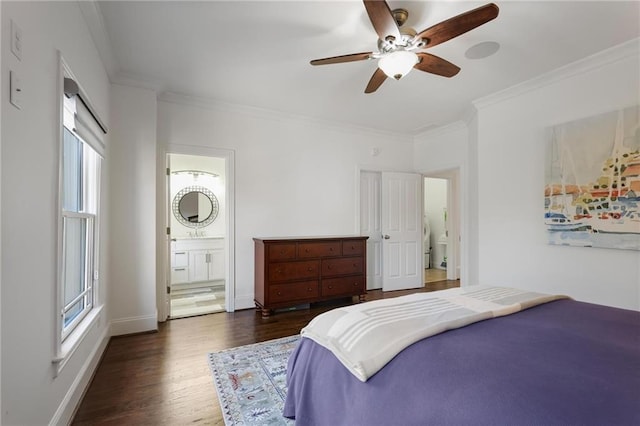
{"points": [[291, 292], [345, 285], [282, 251], [353, 248], [342, 266], [284, 271], [319, 249], [291, 271]]}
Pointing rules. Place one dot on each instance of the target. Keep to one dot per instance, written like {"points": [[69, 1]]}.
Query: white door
{"points": [[370, 225], [402, 231]]}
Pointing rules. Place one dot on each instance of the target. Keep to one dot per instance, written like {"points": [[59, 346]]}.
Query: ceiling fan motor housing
{"points": [[400, 15]]}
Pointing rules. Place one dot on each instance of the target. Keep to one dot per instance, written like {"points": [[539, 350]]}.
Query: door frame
{"points": [[457, 267], [229, 246]]}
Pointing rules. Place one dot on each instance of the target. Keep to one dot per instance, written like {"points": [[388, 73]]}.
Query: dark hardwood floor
{"points": [[163, 378]]}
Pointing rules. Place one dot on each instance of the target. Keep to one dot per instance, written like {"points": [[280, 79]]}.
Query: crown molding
{"points": [[265, 113], [94, 19], [426, 128], [137, 81], [455, 126], [581, 66]]}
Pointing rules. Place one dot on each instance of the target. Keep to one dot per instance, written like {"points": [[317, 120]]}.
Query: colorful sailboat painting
{"points": [[592, 181]]}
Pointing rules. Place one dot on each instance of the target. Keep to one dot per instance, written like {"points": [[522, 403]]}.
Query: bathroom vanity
{"points": [[196, 260]]}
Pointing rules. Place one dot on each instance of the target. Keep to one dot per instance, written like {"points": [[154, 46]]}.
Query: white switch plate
{"points": [[16, 40], [15, 96]]}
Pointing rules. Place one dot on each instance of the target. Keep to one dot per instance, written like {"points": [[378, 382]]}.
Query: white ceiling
{"points": [[257, 53]]}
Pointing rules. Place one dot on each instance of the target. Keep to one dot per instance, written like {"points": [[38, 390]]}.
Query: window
{"points": [[80, 189], [81, 156]]}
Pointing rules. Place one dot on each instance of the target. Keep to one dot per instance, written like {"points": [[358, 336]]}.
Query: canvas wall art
{"points": [[592, 181]]}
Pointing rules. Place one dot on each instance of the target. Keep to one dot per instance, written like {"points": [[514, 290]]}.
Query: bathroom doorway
{"points": [[197, 218], [441, 228]]}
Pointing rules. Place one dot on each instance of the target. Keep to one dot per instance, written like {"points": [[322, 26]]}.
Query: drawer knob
{"points": [[278, 270], [279, 293], [309, 289], [309, 269], [330, 248], [282, 251], [355, 284], [306, 250], [328, 266], [355, 265], [330, 287]]}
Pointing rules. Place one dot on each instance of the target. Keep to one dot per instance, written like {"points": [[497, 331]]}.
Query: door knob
{"points": [[386, 237]]}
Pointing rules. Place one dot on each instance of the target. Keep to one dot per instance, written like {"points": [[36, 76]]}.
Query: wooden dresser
{"points": [[294, 271]]}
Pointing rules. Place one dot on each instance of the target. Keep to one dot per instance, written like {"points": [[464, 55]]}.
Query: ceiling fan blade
{"points": [[453, 27], [382, 20], [436, 65], [343, 58], [376, 81]]}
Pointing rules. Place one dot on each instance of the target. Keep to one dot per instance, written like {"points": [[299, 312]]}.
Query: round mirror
{"points": [[195, 206]]}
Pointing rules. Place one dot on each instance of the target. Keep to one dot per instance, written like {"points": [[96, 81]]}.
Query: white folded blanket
{"points": [[365, 337]]}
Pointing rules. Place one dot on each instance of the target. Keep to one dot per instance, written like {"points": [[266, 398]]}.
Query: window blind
{"points": [[85, 123]]}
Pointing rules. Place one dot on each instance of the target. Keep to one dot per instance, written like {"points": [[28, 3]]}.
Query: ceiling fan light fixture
{"points": [[398, 64]]}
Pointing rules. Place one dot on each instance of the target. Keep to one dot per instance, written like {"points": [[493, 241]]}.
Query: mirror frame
{"points": [[215, 206]]}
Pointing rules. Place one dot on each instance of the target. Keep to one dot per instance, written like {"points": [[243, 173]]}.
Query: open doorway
{"points": [[441, 228], [197, 221], [435, 229]]}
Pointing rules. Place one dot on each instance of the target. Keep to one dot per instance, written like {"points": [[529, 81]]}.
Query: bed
{"points": [[561, 362]]}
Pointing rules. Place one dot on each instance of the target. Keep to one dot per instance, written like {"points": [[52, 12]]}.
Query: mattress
{"points": [[561, 363]]}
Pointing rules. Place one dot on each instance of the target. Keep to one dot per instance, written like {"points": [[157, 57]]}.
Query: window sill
{"points": [[73, 341]]}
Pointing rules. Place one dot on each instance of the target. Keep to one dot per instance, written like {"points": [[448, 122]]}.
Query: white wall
{"points": [[512, 247], [133, 210], [2, 103], [30, 142], [293, 177]]}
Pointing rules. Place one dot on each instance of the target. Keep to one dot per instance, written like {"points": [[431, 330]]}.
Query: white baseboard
{"points": [[244, 302], [134, 325], [71, 400]]}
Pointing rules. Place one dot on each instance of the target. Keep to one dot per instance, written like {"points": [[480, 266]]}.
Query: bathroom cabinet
{"points": [[197, 260]]}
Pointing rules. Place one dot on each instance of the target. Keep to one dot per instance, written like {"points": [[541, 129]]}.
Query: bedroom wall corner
{"points": [[444, 149], [513, 249], [471, 223], [133, 214]]}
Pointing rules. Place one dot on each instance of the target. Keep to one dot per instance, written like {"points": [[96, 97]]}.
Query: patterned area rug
{"points": [[251, 381]]}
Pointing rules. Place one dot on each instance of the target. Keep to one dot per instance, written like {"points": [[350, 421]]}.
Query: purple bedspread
{"points": [[561, 363]]}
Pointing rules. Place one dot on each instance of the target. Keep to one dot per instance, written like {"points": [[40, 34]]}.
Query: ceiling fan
{"points": [[401, 49]]}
